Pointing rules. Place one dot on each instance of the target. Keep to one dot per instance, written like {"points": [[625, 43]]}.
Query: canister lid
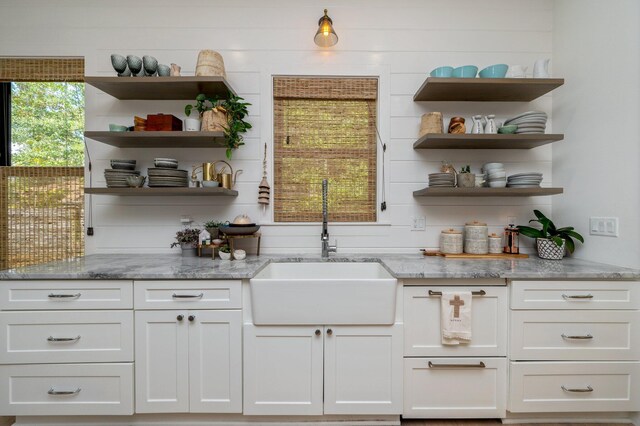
{"points": [[451, 231], [475, 223], [494, 235]]}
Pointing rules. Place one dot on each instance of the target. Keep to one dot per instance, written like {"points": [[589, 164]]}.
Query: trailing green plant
{"points": [[465, 169], [186, 236], [203, 103], [551, 232], [225, 249]]}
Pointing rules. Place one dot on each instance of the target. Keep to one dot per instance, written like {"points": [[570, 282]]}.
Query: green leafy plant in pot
{"points": [[187, 239], [466, 179], [224, 252], [213, 227], [551, 242]]}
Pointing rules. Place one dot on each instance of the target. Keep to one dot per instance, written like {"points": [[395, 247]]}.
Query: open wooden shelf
{"points": [[486, 192], [162, 191], [150, 139], [486, 89], [484, 141], [161, 88]]}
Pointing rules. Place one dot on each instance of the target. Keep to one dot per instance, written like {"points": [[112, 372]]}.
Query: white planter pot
{"points": [[192, 124], [548, 249], [224, 256]]}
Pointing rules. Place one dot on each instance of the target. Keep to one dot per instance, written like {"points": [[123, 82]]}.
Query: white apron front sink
{"points": [[323, 293]]}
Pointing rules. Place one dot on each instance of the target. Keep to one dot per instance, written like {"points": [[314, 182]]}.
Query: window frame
{"points": [[382, 73]]}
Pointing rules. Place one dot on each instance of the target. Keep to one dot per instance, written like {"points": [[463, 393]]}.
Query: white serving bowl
{"points": [[497, 174], [239, 254], [491, 166], [498, 183], [210, 183]]}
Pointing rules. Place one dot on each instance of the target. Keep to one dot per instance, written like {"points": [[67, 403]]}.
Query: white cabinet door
{"points": [[215, 361], [162, 362], [283, 370], [422, 335], [363, 370]]}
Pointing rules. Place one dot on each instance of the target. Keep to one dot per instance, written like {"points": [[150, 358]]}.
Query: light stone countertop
{"points": [[401, 266]]}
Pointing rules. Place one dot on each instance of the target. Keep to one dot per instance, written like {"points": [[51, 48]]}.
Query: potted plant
{"points": [[226, 115], [466, 179], [187, 239], [202, 105], [213, 227], [551, 242], [224, 252]]}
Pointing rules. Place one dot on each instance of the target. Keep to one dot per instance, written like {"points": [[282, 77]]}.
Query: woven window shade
{"points": [[41, 69], [41, 214], [324, 128]]}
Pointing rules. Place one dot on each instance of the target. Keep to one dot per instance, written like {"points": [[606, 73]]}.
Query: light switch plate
{"points": [[418, 223], [604, 226]]}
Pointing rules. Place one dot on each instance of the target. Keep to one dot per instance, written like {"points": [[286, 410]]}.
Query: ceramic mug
{"points": [[517, 71]]}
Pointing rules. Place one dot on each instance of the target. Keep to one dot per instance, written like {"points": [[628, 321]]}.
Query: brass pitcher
{"points": [[227, 180], [208, 171]]}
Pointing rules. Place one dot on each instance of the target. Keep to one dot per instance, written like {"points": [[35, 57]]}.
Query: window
{"points": [[325, 128], [42, 178]]}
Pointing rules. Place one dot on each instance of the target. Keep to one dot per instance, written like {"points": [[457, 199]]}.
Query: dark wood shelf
{"points": [[486, 89], [486, 192], [161, 88], [484, 141], [159, 139], [162, 191]]}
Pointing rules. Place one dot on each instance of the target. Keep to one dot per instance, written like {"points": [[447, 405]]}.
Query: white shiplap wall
{"points": [[400, 40]]}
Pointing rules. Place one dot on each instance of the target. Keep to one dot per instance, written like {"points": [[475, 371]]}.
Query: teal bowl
{"points": [[466, 71], [508, 130], [444, 72], [117, 128], [494, 71]]}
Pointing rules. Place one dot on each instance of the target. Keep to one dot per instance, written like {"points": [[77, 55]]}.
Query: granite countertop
{"points": [[401, 266]]}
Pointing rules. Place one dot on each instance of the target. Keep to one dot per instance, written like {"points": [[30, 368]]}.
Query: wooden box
{"points": [[163, 122]]}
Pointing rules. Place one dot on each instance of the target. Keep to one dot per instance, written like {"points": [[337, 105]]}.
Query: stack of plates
{"points": [[167, 177], [123, 164], [524, 180], [529, 122], [166, 163], [118, 178], [495, 175], [442, 180]]}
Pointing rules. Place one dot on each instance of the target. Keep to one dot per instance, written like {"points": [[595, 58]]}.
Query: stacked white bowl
{"points": [[494, 175]]}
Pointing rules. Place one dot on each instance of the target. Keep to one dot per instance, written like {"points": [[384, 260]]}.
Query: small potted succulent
{"points": [[187, 239], [202, 105], [466, 179], [213, 227], [551, 242], [224, 252]]}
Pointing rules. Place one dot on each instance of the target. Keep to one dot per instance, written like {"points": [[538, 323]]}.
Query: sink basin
{"points": [[320, 293]]}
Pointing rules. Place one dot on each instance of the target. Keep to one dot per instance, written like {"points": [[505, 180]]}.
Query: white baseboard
{"points": [[521, 418]]}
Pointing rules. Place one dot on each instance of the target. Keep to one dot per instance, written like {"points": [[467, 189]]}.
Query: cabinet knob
{"points": [[180, 317], [192, 317], [329, 332], [318, 332]]}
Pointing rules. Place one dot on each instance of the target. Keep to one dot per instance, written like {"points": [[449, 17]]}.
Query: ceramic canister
{"points": [[451, 241], [476, 238], [495, 243]]}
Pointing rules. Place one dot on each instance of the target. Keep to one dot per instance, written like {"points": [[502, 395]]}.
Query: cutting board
{"points": [[475, 256]]}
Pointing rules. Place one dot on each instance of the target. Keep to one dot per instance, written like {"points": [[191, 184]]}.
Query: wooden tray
{"points": [[475, 256]]}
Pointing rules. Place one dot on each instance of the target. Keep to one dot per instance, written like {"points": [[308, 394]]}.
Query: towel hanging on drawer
{"points": [[455, 319]]}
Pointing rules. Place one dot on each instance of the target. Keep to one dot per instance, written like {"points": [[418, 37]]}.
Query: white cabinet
{"points": [[188, 361], [220, 294], [287, 368]]}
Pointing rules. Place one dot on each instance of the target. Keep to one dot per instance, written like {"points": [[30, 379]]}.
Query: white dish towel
{"points": [[456, 317]]}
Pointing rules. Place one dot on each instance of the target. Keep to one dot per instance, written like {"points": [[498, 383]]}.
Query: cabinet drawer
{"points": [[66, 389], [575, 295], [574, 386], [422, 335], [50, 337], [223, 294], [575, 336], [455, 387], [54, 295]]}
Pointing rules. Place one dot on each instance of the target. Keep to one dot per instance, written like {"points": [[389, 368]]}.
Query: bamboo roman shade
{"points": [[325, 128], [41, 69]]}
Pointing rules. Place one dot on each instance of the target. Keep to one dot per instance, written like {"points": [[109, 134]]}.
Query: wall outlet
{"points": [[605, 226], [511, 220], [418, 223], [185, 220]]}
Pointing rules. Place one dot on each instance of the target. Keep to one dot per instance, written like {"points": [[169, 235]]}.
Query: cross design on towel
{"points": [[456, 303]]}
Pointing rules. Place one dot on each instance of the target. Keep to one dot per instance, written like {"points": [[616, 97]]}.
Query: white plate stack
{"points": [[525, 180], [116, 176], [529, 122], [494, 175], [442, 180], [167, 177]]}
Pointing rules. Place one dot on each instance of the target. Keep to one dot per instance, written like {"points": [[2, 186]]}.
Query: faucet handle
{"points": [[334, 247]]}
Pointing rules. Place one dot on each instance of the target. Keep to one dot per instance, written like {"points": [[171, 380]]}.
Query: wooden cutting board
{"points": [[475, 256]]}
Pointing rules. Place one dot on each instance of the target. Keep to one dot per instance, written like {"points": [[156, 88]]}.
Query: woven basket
{"points": [[431, 123], [214, 120], [548, 249], [210, 64]]}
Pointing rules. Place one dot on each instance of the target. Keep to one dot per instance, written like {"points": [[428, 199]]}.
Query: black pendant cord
{"points": [[90, 204], [5, 124]]}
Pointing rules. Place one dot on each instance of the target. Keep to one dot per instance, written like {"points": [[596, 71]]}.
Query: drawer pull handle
{"points": [[578, 337], [479, 365], [52, 391], [64, 296], [473, 293], [588, 389], [187, 296], [577, 296], [63, 339]]}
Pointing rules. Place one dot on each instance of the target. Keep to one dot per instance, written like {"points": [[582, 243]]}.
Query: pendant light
{"points": [[326, 36]]}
